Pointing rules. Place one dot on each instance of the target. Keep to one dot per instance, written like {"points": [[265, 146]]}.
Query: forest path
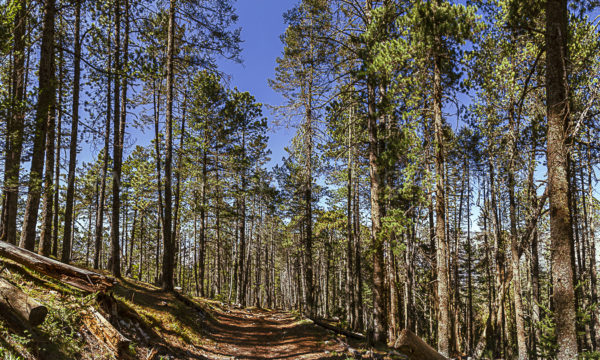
{"points": [[268, 334]]}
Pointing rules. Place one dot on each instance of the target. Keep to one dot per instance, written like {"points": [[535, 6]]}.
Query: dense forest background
{"points": [[442, 177]]}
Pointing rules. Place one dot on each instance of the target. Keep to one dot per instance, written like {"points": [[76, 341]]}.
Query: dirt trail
{"points": [[262, 334]]}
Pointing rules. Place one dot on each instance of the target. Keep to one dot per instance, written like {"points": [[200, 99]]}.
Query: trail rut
{"points": [[263, 334]]}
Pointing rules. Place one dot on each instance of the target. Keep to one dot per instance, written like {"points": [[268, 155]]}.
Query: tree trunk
{"points": [[105, 332], [557, 157], [80, 278], [54, 244], [380, 316], [535, 266], [241, 223], [13, 299], [358, 263], [120, 111], [308, 253], [101, 202], [157, 142], [169, 251], [469, 273], [132, 240], [45, 245], [178, 182], [66, 255], [218, 224], [595, 325], [443, 327], [202, 249], [15, 126], [350, 305], [44, 110], [515, 245]]}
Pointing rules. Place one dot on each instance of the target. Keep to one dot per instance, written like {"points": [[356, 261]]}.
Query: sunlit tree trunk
{"points": [[98, 233], [74, 136], [15, 128], [561, 229], [44, 110], [443, 325]]}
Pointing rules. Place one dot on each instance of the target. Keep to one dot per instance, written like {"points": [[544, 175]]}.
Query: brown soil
{"points": [[205, 329], [264, 334]]}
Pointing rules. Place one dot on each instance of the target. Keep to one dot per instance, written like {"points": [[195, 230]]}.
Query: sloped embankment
{"points": [[134, 320]]}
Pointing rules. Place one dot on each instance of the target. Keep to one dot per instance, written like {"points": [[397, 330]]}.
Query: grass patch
{"points": [[304, 321]]}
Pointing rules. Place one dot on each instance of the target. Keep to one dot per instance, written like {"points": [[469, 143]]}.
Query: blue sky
{"points": [[262, 24]]}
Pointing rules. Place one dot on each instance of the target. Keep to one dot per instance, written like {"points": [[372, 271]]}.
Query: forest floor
{"points": [[163, 325], [213, 330], [265, 334]]}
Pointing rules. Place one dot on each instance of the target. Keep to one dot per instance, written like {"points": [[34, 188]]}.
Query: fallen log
{"points": [[105, 332], [415, 348], [82, 279], [16, 301], [337, 330]]}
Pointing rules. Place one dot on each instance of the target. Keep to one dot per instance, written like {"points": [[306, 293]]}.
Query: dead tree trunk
{"points": [[80, 278], [105, 332], [16, 301]]}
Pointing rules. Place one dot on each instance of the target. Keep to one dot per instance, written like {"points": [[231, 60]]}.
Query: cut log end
{"points": [[37, 315], [16, 301]]}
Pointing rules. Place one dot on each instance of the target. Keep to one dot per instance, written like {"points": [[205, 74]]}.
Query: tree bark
{"points": [[308, 253], [350, 305], [105, 332], [56, 191], [169, 250], [595, 325], [132, 240], [44, 110], [514, 243], [45, 245], [443, 325], [557, 106], [101, 202], [120, 111], [15, 129], [157, 142], [15, 300], [202, 250], [380, 316], [80, 278], [66, 255]]}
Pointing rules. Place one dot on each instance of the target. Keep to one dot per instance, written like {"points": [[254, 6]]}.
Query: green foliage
{"points": [[590, 355], [547, 343], [6, 354], [63, 322], [8, 10]]}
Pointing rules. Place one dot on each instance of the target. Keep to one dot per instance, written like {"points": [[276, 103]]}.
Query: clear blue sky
{"points": [[262, 24]]}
